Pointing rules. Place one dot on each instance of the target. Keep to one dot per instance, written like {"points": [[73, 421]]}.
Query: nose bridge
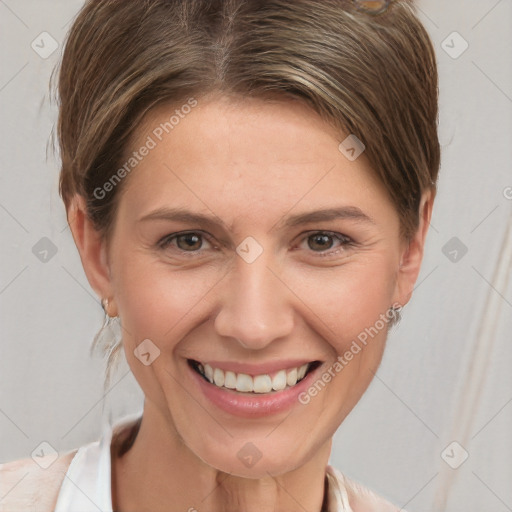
{"points": [[255, 306]]}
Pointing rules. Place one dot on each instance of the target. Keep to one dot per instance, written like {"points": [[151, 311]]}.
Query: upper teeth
{"points": [[257, 384]]}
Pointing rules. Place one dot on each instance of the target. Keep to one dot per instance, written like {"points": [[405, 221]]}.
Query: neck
{"points": [[189, 484]]}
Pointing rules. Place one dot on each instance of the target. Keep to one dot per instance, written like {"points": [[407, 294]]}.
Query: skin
{"points": [[250, 163]]}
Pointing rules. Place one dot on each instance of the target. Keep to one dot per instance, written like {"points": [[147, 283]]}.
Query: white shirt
{"points": [[86, 485]]}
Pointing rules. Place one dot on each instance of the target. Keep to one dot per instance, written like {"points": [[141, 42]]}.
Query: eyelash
{"points": [[346, 242]]}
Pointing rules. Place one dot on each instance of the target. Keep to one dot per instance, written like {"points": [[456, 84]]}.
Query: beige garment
{"points": [[80, 481]]}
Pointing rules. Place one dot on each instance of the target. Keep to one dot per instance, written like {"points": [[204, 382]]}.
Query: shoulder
{"points": [[360, 497], [26, 486]]}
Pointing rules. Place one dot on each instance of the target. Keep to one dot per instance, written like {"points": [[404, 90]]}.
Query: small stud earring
{"points": [[394, 315], [107, 336], [104, 305]]}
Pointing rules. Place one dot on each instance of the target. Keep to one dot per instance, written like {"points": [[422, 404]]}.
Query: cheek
{"points": [[161, 304], [155, 299], [349, 298], [349, 305]]}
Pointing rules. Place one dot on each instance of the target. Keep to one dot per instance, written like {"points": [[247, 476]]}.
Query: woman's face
{"points": [[261, 281]]}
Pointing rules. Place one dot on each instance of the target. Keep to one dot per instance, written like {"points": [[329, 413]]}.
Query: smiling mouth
{"points": [[253, 384]]}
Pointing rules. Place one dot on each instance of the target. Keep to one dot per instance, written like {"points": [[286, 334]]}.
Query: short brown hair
{"points": [[374, 76], [370, 74]]}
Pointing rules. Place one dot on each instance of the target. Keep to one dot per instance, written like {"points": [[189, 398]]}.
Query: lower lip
{"points": [[254, 404]]}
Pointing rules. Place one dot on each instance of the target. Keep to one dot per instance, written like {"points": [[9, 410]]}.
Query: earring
{"points": [[106, 338], [104, 305], [394, 315]]}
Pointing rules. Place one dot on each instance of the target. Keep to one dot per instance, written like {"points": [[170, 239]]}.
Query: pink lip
{"points": [[258, 369], [253, 405]]}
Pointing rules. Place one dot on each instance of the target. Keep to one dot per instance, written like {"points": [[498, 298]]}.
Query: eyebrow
{"points": [[211, 221]]}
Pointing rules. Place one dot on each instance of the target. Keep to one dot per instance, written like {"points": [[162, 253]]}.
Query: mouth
{"points": [[242, 383]]}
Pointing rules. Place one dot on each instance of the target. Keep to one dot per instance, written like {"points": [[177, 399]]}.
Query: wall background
{"points": [[446, 374]]}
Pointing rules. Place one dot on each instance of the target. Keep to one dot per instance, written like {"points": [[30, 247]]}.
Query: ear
{"points": [[412, 251], [92, 249]]}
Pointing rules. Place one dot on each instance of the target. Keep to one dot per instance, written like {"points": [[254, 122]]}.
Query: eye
{"points": [[322, 241], [188, 242], [191, 243]]}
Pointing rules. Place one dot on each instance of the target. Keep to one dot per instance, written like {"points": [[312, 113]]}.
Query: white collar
{"points": [[87, 484]]}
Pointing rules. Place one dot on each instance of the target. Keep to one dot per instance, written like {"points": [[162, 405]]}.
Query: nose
{"points": [[256, 305]]}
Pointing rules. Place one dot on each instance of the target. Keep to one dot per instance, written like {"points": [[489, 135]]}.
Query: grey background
{"points": [[446, 372]]}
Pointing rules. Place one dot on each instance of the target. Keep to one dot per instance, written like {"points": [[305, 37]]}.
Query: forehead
{"points": [[237, 156], [254, 130]]}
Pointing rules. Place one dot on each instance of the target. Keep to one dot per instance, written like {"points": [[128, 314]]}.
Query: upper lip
{"points": [[256, 369]]}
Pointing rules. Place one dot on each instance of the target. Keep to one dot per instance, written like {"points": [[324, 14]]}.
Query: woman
{"points": [[207, 148]]}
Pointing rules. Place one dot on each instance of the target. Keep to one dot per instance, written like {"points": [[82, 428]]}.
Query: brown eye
{"points": [[188, 244], [327, 243], [320, 241], [189, 241]]}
